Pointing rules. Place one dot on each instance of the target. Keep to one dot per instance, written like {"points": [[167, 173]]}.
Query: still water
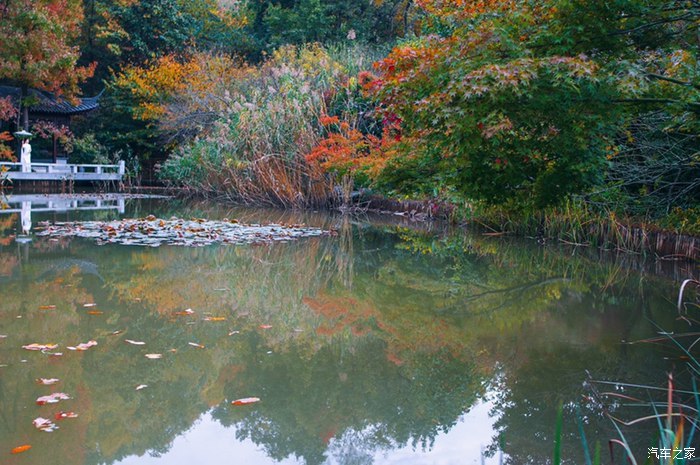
{"points": [[388, 343]]}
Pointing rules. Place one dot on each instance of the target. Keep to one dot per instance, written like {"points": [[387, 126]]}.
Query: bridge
{"points": [[62, 172]]}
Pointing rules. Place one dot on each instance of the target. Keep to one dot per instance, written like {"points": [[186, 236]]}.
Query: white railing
{"points": [[65, 168]]}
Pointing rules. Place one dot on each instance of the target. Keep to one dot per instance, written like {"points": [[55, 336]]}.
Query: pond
{"points": [[387, 342]]}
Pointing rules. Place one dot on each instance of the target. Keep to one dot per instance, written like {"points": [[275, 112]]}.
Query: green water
{"points": [[387, 344]]}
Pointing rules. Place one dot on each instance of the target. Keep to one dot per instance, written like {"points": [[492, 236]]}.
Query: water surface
{"points": [[389, 343]]}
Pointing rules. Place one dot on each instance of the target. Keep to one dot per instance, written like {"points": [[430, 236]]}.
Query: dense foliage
{"points": [[526, 103], [496, 103]]}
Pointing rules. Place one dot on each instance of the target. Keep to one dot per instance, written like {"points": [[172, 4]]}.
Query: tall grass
{"points": [[577, 223], [254, 149]]}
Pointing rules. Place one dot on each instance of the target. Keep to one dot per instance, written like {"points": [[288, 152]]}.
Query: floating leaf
{"points": [[194, 344], [44, 424], [141, 386], [189, 311], [265, 326], [94, 312], [215, 318], [47, 381], [114, 333], [47, 307], [84, 346], [52, 398], [136, 343], [64, 415], [20, 449], [246, 401], [89, 305], [154, 356], [42, 347], [231, 333]]}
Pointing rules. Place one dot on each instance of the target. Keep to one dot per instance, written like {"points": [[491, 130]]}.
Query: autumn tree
{"points": [[37, 40], [521, 103], [7, 113]]}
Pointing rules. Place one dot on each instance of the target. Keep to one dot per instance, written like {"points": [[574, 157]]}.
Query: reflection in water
{"points": [[26, 217], [381, 345]]}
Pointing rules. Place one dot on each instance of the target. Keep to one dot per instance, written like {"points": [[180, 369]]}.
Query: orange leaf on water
{"points": [[265, 326], [47, 307], [20, 449], [47, 381], [189, 311], [35, 346], [246, 401], [94, 312], [64, 415], [215, 318]]}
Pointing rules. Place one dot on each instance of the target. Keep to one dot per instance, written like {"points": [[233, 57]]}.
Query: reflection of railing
{"points": [[63, 171], [39, 203], [25, 205]]}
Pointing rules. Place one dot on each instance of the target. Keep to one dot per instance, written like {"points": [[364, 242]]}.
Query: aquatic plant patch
{"points": [[154, 232]]}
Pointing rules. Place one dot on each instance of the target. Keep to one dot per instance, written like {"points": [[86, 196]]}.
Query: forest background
{"points": [[538, 116]]}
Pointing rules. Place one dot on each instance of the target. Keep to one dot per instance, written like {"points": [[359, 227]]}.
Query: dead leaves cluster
{"points": [[154, 232]]}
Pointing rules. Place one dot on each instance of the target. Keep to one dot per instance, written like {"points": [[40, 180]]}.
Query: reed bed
{"points": [[266, 120], [577, 224]]}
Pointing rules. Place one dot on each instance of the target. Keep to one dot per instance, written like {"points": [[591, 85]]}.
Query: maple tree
{"points": [[37, 42], [520, 103]]}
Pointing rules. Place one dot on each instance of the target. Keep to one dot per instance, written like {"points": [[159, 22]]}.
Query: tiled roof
{"points": [[52, 105]]}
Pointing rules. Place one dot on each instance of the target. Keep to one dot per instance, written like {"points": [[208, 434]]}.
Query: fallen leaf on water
{"points": [[231, 333], [194, 344], [141, 386], [47, 307], [3, 336], [265, 326], [94, 312], [154, 356], [215, 318], [114, 333], [189, 311], [47, 381], [20, 449], [52, 398], [64, 415], [83, 346], [35, 346], [44, 424], [89, 305], [136, 343], [246, 401]]}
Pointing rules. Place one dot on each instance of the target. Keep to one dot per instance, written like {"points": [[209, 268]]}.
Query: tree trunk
{"points": [[25, 109]]}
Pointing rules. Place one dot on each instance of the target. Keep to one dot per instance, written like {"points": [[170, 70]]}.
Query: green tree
{"points": [[521, 104]]}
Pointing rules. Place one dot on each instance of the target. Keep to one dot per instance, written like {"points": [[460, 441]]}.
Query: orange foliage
{"points": [[465, 9], [346, 149]]}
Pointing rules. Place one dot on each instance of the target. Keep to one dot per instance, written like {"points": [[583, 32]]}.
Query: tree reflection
{"points": [[356, 345]]}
